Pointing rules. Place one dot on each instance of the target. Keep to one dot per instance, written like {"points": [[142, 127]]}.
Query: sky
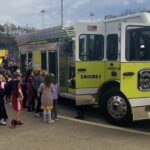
{"points": [[27, 13]]}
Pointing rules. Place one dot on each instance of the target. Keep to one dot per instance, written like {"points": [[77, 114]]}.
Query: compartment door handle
{"points": [[128, 73], [82, 69]]}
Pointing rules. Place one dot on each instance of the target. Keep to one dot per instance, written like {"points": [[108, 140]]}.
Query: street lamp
{"points": [[43, 12], [91, 15]]}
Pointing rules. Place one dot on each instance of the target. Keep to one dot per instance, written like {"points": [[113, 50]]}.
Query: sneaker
{"points": [[2, 122], [5, 120], [13, 124], [37, 115], [51, 121]]}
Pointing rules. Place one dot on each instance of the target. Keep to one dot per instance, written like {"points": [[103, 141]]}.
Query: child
{"points": [[46, 90], [55, 97], [17, 97]]}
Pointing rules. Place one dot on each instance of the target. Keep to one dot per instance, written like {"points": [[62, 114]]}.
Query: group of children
{"points": [[34, 91]]}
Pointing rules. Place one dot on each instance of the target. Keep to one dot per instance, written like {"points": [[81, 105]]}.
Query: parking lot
{"points": [[67, 133]]}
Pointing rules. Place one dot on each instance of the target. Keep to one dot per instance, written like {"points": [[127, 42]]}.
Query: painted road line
{"points": [[105, 125]]}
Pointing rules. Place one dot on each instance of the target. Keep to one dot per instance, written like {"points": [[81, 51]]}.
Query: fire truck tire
{"points": [[116, 107]]}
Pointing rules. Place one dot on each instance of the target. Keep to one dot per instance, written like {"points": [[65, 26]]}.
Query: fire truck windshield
{"points": [[138, 43], [91, 47]]}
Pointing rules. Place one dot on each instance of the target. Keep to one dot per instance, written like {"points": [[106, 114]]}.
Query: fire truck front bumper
{"points": [[140, 108]]}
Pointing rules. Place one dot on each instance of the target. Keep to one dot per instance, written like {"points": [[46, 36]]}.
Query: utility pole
{"points": [[61, 13]]}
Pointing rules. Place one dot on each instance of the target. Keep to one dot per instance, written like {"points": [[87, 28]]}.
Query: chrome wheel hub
{"points": [[117, 107]]}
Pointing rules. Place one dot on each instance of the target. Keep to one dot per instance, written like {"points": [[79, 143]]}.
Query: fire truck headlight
{"points": [[144, 80]]}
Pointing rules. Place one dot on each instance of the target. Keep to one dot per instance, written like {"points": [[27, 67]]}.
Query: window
{"points": [[112, 47], [91, 47], [29, 57], [137, 43], [23, 63], [43, 60]]}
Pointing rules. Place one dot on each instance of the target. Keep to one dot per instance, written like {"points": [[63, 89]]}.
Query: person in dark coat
{"points": [[3, 114]]}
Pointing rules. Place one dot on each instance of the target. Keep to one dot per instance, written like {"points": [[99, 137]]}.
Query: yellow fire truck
{"points": [[105, 63], [3, 53]]}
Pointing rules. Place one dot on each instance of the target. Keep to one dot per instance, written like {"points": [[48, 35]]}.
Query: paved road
{"points": [[93, 115], [70, 134]]}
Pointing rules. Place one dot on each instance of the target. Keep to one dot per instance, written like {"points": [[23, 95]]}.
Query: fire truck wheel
{"points": [[116, 107]]}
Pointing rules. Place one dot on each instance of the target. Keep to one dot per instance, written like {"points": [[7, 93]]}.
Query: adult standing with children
{"points": [[37, 82]]}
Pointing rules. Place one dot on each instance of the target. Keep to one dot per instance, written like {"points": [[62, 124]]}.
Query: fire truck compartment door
{"points": [[135, 71]]}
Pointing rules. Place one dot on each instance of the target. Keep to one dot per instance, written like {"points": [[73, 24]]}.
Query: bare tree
{"points": [[128, 12], [1, 29]]}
